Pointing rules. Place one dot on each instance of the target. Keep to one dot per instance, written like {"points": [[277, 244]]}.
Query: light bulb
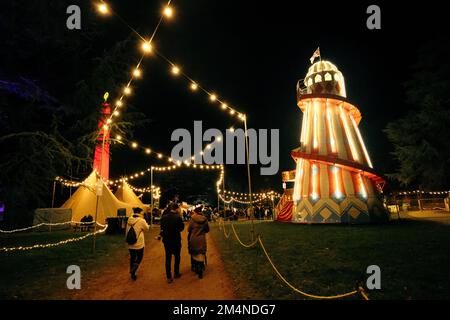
{"points": [[146, 47], [103, 8], [175, 70], [168, 12], [137, 73]]}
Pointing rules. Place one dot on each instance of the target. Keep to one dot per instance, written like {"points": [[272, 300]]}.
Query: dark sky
{"points": [[252, 54]]}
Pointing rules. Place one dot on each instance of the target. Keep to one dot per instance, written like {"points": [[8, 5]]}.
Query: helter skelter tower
{"points": [[334, 180]]}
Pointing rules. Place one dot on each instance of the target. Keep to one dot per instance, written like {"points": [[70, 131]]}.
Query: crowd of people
{"points": [[171, 226], [172, 222], [213, 214]]}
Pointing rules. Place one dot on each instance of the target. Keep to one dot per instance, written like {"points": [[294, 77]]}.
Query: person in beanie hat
{"points": [[138, 223]]}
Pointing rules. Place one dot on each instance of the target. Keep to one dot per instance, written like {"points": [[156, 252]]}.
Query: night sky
{"points": [[252, 53]]}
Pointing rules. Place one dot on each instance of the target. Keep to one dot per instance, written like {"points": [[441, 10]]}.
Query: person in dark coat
{"points": [[171, 227], [198, 227]]}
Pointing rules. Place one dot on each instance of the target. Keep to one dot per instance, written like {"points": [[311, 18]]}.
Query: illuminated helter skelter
{"points": [[334, 180]]}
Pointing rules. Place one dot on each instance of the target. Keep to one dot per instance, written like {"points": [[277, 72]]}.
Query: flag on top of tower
{"points": [[315, 55]]}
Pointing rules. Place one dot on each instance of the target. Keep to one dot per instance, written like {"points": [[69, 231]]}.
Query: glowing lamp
{"points": [[168, 12], [175, 70], [137, 73], [103, 8], [146, 47]]}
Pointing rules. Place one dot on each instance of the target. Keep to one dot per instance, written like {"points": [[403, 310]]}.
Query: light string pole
{"points": [[223, 187], [247, 153], [194, 86], [99, 184], [151, 196], [105, 9]]}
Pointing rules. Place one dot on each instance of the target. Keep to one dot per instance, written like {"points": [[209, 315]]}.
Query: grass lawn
{"points": [[41, 273], [414, 257]]}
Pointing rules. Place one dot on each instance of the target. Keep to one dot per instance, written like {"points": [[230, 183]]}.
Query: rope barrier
{"points": [[360, 289], [50, 224], [221, 223], [338, 296], [254, 243], [51, 245], [363, 293]]}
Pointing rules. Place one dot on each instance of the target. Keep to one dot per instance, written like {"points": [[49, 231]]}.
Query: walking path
{"points": [[115, 283]]}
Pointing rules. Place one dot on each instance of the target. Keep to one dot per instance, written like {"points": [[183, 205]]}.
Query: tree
{"points": [[421, 138], [51, 85]]}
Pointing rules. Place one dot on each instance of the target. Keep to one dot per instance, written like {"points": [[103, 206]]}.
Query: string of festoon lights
{"points": [[141, 190], [146, 47], [47, 224], [243, 198], [160, 155], [55, 244], [136, 73], [174, 68], [195, 86], [238, 200], [166, 169], [75, 184], [154, 189], [245, 195], [69, 183], [175, 164], [423, 192], [148, 151]]}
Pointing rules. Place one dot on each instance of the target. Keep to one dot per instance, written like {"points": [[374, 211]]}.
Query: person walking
{"points": [[171, 227], [198, 227], [136, 225]]}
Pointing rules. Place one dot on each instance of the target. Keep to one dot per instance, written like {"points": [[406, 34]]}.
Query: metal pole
{"points": [[70, 187], [53, 196], [273, 209], [96, 190], [151, 196], [218, 202], [223, 188], [249, 177]]}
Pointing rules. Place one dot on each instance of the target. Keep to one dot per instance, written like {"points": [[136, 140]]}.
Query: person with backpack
{"points": [[171, 227], [198, 227], [136, 225]]}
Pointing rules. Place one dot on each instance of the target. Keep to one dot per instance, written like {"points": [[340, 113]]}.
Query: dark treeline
{"points": [[52, 81]]}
